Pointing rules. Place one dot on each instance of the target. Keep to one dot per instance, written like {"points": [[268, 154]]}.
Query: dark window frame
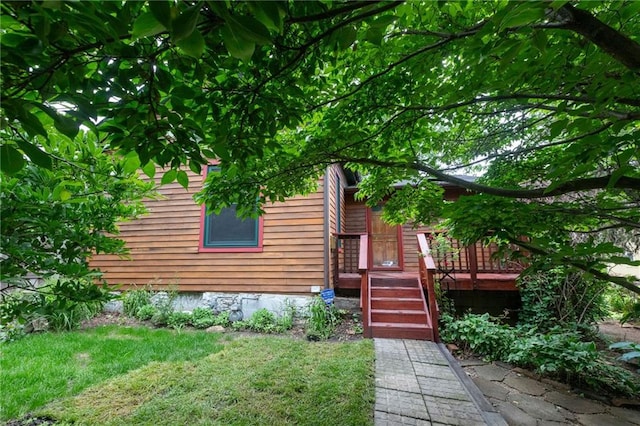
{"points": [[227, 246]]}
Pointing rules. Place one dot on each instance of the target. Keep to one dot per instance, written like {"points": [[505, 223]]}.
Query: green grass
{"points": [[197, 381]]}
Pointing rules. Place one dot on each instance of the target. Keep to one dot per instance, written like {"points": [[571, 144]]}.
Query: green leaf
{"points": [[131, 164], [31, 123], [162, 11], [237, 46], [269, 13], [149, 169], [374, 35], [35, 154], [66, 126], [346, 37], [183, 179], [195, 167], [146, 25], [168, 177], [192, 45], [64, 195], [11, 160], [185, 24], [249, 29], [522, 14], [630, 355]]}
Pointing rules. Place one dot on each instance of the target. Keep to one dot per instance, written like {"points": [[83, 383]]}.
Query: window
{"points": [[226, 232]]}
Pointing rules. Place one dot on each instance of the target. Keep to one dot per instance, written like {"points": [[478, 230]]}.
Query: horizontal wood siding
{"points": [[164, 248]]}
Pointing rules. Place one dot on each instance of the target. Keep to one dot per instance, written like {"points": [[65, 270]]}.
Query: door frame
{"points": [[400, 266]]}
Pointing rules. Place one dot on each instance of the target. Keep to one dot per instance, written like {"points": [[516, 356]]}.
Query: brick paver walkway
{"points": [[416, 385]]}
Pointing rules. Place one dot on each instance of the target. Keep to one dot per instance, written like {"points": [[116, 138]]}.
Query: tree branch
{"points": [[622, 48]]}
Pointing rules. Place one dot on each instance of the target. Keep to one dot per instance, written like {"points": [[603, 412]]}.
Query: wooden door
{"points": [[385, 242]]}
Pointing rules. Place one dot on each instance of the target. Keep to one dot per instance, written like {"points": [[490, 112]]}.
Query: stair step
{"points": [[394, 282], [395, 292], [399, 316], [412, 303], [401, 331]]}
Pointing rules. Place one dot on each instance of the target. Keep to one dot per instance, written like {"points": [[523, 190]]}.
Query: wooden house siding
{"points": [[164, 248], [337, 216]]}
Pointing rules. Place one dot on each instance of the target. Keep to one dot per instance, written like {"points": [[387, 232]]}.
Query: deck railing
{"points": [[350, 256], [451, 257], [427, 269]]}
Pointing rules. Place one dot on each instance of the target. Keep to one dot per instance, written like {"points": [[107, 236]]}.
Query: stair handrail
{"points": [[427, 268], [365, 284]]}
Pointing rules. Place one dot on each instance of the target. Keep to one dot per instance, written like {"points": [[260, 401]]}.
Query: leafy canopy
{"points": [[541, 97]]}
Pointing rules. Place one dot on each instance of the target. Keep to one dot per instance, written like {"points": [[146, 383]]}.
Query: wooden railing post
{"points": [[473, 263], [365, 297], [427, 279]]}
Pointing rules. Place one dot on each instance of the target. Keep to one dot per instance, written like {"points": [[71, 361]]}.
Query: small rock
{"points": [[452, 348], [215, 329]]}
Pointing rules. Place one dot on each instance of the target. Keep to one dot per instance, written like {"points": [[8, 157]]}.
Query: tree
{"points": [[542, 97]]}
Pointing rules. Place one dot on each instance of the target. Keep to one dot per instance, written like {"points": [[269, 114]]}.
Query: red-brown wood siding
{"points": [[164, 248]]}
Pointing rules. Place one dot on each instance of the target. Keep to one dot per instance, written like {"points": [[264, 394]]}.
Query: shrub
{"points": [[179, 320], [560, 353], [563, 297], [481, 334], [146, 312], [264, 321], [163, 302], [203, 318], [134, 300], [322, 319]]}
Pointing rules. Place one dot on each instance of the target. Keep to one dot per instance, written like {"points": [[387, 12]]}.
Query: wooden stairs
{"points": [[398, 309]]}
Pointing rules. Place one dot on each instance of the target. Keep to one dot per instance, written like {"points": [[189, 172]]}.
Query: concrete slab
{"points": [[603, 419], [491, 389], [575, 403], [492, 372], [524, 384]]}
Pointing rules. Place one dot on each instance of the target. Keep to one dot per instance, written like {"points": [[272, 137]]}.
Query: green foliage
{"points": [[632, 350], [265, 321], [561, 297], [12, 330], [481, 334], [322, 319], [136, 299], [559, 353], [623, 304], [146, 312], [203, 318], [163, 302], [511, 90], [61, 303], [54, 218], [179, 320]]}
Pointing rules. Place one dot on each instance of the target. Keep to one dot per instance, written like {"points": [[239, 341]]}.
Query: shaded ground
{"points": [[524, 398], [617, 332]]}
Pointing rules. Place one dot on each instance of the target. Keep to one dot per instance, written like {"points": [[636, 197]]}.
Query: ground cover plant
{"points": [[192, 378], [555, 334]]}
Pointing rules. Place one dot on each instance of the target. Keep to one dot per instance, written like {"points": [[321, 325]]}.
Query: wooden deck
{"points": [[460, 281]]}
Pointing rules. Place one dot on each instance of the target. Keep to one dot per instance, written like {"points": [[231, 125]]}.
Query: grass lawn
{"points": [[135, 376]]}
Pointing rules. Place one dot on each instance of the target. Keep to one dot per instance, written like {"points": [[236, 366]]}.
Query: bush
{"points": [[61, 304], [560, 353], [481, 334], [146, 312], [202, 318], [163, 302], [179, 320], [562, 297], [134, 300], [265, 321], [322, 319]]}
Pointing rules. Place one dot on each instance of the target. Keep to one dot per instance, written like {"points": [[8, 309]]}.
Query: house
{"points": [[303, 245]]}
